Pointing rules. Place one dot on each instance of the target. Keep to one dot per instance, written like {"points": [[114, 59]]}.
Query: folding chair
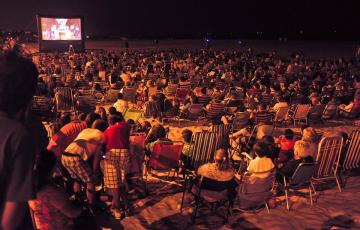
{"points": [[202, 150], [129, 94], [64, 99], [163, 157], [86, 103], [352, 155], [329, 111], [137, 153], [301, 113], [327, 160], [216, 110], [223, 132], [240, 121], [42, 106], [299, 180], [253, 194], [280, 115], [212, 194], [134, 114]]}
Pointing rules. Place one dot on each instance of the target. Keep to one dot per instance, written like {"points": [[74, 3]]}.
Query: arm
{"points": [[12, 215]]}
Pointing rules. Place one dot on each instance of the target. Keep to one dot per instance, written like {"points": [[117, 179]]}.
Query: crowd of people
{"points": [[93, 146]]}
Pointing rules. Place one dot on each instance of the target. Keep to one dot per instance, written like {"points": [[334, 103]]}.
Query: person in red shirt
{"points": [[286, 143], [67, 134], [117, 162]]}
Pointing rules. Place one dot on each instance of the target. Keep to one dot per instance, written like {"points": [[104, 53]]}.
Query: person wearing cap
{"points": [[301, 154], [88, 144]]}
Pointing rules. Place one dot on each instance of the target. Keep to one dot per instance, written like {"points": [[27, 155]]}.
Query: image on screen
{"points": [[61, 28]]}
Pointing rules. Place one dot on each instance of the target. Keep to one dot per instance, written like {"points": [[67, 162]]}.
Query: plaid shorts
{"points": [[77, 167], [115, 165]]}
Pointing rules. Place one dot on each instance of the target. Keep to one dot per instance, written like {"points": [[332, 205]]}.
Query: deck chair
{"points": [[171, 90], [280, 115], [223, 132], [133, 114], [112, 95], [202, 149], [212, 194], [216, 110], [129, 94], [103, 85], [181, 94], [327, 160], [300, 179], [316, 113], [240, 121], [352, 155], [163, 157], [137, 147], [253, 194], [64, 99], [42, 106], [86, 103], [300, 114]]}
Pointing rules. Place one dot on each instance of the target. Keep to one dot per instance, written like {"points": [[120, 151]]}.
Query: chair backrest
{"points": [[133, 114], [86, 103], [216, 110], [303, 174], [129, 94], [165, 156], [223, 132], [213, 185], [202, 149], [196, 109], [64, 99], [281, 114], [256, 184], [263, 117], [302, 111], [241, 120], [137, 147], [328, 156], [352, 157]]}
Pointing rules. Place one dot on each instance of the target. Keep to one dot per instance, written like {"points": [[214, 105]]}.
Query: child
{"points": [[286, 143], [262, 165]]}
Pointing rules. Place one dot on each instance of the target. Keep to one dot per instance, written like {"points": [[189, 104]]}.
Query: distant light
{"points": [[301, 32], [239, 42], [87, 36]]}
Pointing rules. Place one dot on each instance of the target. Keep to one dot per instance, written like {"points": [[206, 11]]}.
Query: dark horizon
{"points": [[326, 20]]}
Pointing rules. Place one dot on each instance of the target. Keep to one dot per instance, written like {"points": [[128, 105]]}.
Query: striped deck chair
{"points": [[301, 113], [86, 91], [204, 99], [129, 94], [327, 160], [134, 114], [216, 110], [64, 99], [86, 103], [352, 156], [263, 117], [223, 132]]}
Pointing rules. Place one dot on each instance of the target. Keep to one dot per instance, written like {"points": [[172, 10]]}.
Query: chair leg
{"points": [[197, 203], [313, 187], [338, 183], [183, 195], [311, 197], [267, 207], [287, 199]]}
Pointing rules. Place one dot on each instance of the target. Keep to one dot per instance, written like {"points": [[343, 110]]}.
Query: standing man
{"points": [[18, 81], [117, 162]]}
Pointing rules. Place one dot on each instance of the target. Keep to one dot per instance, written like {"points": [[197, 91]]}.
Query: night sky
{"points": [[196, 18]]}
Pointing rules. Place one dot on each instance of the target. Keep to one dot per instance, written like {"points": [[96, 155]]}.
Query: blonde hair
{"points": [[309, 134], [302, 149]]}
